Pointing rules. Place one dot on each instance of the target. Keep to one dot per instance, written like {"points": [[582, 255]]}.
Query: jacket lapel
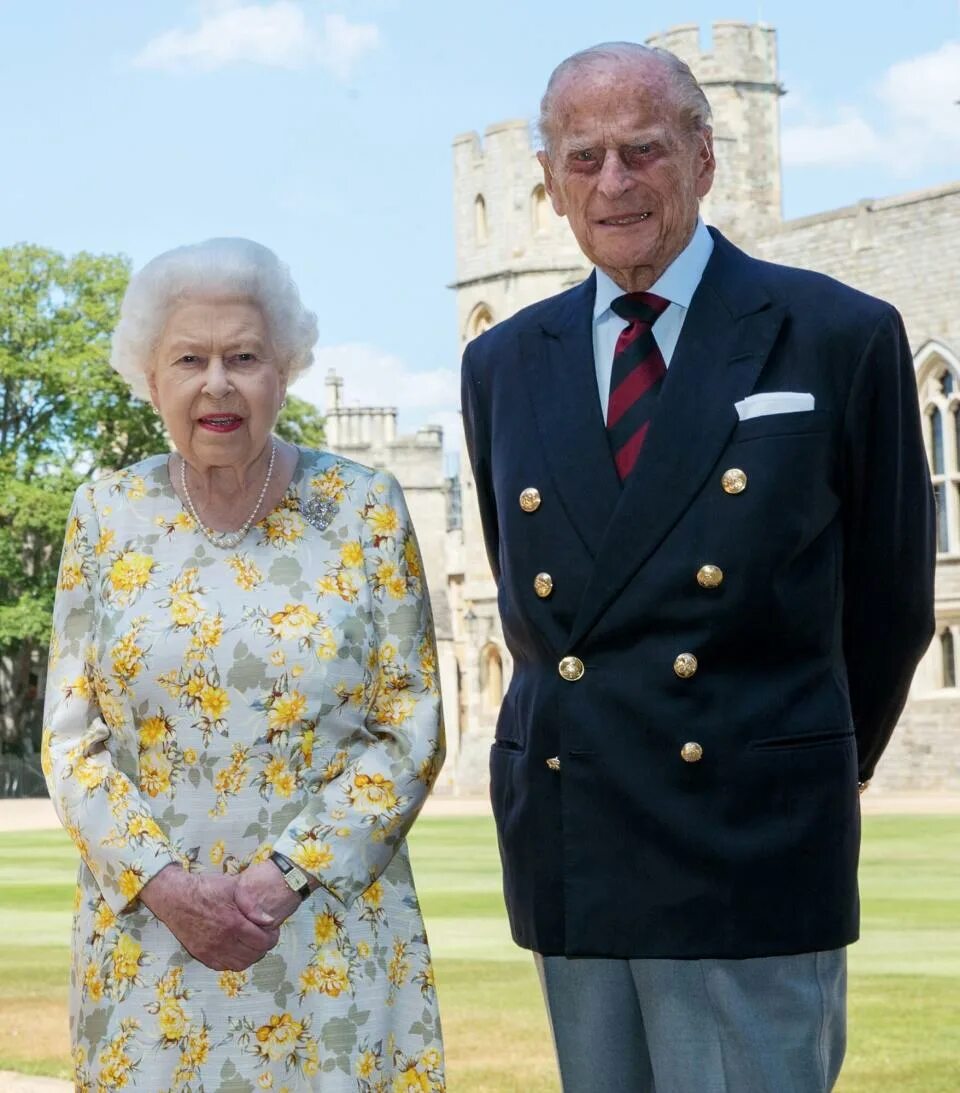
{"points": [[726, 338], [561, 379]]}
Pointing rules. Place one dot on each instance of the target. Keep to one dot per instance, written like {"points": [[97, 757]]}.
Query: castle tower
{"points": [[511, 248], [739, 77]]}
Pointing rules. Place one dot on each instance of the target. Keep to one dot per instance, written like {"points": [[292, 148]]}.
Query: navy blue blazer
{"points": [[745, 844]]}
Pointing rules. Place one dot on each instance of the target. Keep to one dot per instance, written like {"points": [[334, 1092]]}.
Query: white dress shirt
{"points": [[677, 283]]}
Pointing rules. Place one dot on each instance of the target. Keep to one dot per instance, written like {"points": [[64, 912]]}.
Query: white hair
{"points": [[229, 268], [688, 96]]}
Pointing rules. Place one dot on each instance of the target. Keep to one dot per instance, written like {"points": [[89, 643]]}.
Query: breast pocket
{"points": [[790, 424]]}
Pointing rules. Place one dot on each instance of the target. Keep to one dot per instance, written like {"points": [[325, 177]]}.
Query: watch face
{"points": [[296, 879]]}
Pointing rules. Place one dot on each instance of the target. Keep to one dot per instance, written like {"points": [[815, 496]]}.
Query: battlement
{"points": [[512, 248], [740, 53]]}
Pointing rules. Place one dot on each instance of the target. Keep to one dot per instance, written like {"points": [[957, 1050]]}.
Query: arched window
{"points": [[480, 220], [540, 210], [491, 677], [481, 319], [948, 658], [936, 441], [938, 377]]}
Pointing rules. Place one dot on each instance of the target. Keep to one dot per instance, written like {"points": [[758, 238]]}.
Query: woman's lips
{"points": [[220, 423]]}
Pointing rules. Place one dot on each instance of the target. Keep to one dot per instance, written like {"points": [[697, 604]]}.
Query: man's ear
{"points": [[550, 185], [706, 163]]}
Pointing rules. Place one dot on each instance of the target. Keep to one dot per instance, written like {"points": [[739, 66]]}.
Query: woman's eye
{"points": [[244, 358], [189, 358]]}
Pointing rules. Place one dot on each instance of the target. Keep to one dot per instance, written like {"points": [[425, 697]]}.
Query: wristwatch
{"points": [[297, 880]]}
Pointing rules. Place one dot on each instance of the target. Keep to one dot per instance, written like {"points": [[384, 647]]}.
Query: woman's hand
{"points": [[264, 896], [202, 914]]}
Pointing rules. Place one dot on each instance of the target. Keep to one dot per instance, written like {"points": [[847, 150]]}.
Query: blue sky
{"points": [[324, 130]]}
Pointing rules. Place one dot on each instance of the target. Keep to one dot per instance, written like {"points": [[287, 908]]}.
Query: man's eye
{"points": [[189, 358], [637, 153], [244, 358], [583, 157]]}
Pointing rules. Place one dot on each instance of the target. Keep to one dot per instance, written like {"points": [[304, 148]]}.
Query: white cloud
{"points": [[918, 121], [841, 143], [373, 377], [276, 35]]}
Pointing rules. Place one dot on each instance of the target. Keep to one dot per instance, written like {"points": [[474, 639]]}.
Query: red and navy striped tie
{"points": [[638, 371]]}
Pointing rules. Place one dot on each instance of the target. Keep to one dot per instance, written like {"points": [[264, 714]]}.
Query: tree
{"points": [[300, 422], [63, 412]]}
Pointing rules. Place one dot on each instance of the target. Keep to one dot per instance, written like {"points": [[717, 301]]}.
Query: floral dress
{"points": [[207, 706]]}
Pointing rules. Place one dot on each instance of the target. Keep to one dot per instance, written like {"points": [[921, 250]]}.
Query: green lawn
{"points": [[904, 974]]}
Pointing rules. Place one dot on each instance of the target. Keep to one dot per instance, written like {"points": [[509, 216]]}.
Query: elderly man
{"points": [[707, 508]]}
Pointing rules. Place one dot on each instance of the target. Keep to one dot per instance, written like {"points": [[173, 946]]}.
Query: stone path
{"points": [[24, 1083]]}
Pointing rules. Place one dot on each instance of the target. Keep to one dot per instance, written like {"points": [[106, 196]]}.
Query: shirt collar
{"points": [[677, 283]]}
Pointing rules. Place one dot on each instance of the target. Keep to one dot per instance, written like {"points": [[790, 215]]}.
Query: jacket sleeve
{"points": [[354, 825], [476, 429], [99, 805], [889, 540]]}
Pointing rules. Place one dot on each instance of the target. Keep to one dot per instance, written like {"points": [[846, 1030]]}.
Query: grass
{"points": [[904, 974]]}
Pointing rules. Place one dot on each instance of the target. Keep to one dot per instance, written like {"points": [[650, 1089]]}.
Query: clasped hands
{"points": [[226, 922]]}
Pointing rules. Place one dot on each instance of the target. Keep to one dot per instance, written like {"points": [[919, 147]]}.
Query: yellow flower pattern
{"points": [[220, 704]]}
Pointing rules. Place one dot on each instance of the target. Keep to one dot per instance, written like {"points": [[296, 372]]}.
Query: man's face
{"points": [[624, 171]]}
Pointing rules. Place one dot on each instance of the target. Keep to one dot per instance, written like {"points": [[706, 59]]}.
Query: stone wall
{"points": [[904, 249]]}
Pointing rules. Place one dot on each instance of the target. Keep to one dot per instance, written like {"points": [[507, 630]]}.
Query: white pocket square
{"points": [[774, 402]]}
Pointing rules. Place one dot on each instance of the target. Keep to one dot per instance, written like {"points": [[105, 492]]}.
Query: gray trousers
{"points": [[767, 1025]]}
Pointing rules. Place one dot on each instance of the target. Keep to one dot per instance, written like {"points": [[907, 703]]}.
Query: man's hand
{"points": [[202, 914], [264, 896]]}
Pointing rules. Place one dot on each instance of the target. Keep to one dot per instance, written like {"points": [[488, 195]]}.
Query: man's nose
{"points": [[216, 382], [615, 177]]}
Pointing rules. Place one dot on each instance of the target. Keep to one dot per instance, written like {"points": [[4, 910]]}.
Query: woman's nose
{"points": [[216, 381]]}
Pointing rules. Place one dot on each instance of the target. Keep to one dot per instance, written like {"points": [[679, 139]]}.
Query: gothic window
{"points": [[938, 376], [540, 208], [936, 441], [491, 677], [480, 220], [481, 319], [948, 658]]}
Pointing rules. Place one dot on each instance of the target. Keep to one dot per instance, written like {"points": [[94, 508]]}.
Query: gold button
{"points": [[709, 576], [543, 585], [571, 668], [685, 665], [734, 480], [530, 499], [691, 752], [554, 762]]}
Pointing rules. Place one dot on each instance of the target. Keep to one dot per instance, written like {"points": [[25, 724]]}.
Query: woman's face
{"points": [[216, 382]]}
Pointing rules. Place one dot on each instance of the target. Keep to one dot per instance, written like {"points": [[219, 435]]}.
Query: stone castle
{"points": [[512, 250]]}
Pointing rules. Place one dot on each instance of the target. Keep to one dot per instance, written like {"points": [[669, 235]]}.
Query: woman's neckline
{"points": [[298, 470]]}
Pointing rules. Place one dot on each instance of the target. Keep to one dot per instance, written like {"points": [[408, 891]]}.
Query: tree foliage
{"points": [[300, 422], [63, 412]]}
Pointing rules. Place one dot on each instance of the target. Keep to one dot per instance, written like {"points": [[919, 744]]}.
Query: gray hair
{"points": [[688, 95], [230, 268]]}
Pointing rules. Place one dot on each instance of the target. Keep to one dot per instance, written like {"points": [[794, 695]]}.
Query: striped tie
{"points": [[638, 371]]}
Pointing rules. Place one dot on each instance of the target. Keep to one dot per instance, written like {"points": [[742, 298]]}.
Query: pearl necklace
{"points": [[227, 539]]}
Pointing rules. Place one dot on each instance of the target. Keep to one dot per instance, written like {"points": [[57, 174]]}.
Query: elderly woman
{"points": [[242, 722]]}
